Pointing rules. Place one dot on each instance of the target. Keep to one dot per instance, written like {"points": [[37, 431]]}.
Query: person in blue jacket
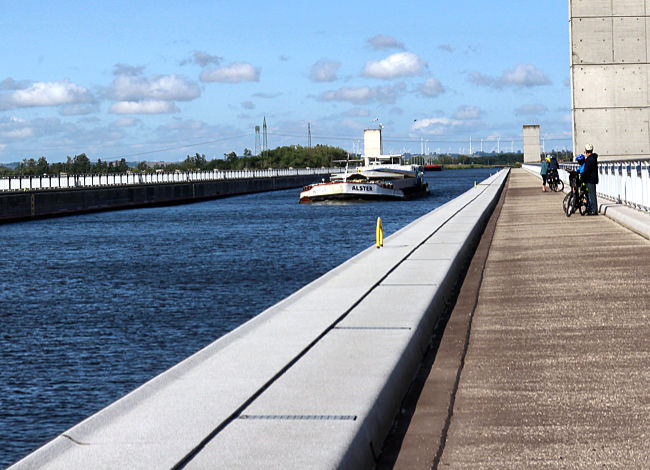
{"points": [[580, 160], [543, 172], [590, 177]]}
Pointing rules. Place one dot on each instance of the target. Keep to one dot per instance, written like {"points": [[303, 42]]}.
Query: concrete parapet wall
{"points": [[315, 381], [57, 202]]}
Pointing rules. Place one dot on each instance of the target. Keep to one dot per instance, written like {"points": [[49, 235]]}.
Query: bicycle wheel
{"points": [[552, 185], [565, 201], [570, 205], [583, 206], [559, 185]]}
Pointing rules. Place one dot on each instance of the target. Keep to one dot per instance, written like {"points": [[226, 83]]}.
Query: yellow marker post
{"points": [[380, 233]]}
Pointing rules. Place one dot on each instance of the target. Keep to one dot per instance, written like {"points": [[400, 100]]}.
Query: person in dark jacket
{"points": [[552, 168], [590, 177]]}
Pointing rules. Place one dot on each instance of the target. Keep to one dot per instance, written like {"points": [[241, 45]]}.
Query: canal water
{"points": [[92, 306]]}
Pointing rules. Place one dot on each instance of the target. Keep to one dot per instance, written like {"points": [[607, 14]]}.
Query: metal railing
{"points": [[65, 181], [626, 182]]}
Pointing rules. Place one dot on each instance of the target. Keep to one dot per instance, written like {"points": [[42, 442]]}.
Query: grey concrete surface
{"points": [[609, 73], [636, 220], [557, 365], [315, 381]]}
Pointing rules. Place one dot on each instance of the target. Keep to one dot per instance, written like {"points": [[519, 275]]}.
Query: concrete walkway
{"points": [[545, 362]]}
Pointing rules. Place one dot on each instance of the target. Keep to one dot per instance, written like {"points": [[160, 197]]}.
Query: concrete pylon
{"points": [[609, 78], [532, 147]]}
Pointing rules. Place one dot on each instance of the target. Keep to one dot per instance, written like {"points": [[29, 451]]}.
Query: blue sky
{"points": [[160, 80]]}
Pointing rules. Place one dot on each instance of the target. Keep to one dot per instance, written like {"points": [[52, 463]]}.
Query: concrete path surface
{"points": [[546, 363]]}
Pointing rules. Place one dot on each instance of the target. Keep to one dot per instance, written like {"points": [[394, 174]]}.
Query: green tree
{"points": [[81, 164], [26, 167], [121, 166], [42, 166]]}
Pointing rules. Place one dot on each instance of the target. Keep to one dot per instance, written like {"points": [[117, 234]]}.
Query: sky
{"points": [[158, 81]]}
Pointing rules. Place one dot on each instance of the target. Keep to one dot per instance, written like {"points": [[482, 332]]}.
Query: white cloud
{"points": [[362, 95], [383, 41], [467, 112], [431, 88], [401, 64], [46, 94], [11, 84], [18, 128], [536, 109], [324, 71], [18, 133], [234, 73], [202, 58], [351, 94], [123, 69], [143, 107], [155, 87], [436, 126], [248, 105], [522, 76]]}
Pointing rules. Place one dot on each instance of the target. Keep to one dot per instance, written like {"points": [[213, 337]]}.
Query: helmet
{"points": [[548, 158], [580, 158], [589, 148]]}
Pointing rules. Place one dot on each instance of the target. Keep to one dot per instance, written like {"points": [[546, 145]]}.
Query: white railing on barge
{"points": [[624, 182], [63, 181]]}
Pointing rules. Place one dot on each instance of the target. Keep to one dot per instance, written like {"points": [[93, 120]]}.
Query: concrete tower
{"points": [[610, 63]]}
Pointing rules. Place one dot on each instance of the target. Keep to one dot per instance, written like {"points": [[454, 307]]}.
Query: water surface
{"points": [[92, 306]]}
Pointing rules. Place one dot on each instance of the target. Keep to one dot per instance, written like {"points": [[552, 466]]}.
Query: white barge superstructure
{"points": [[380, 177]]}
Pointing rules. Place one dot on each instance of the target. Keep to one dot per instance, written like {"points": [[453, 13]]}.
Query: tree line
{"points": [[79, 164], [294, 156], [498, 159]]}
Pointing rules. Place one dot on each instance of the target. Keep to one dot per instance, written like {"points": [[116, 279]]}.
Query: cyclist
{"points": [[552, 176], [543, 171], [580, 160], [590, 177], [576, 199]]}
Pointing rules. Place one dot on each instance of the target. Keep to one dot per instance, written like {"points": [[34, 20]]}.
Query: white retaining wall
{"points": [[315, 381], [25, 183]]}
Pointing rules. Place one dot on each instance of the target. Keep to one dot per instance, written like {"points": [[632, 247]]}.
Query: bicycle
{"points": [[576, 199], [554, 182]]}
